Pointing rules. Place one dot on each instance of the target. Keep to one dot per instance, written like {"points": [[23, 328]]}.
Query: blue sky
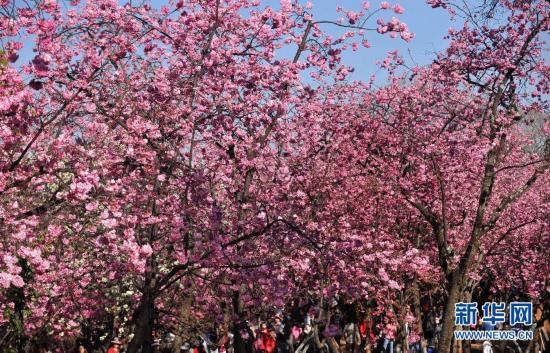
{"points": [[429, 25]]}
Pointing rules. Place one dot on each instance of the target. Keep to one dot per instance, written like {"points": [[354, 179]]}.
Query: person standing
{"points": [[543, 337], [156, 345], [487, 347], [270, 342], [115, 346], [352, 337], [261, 339]]}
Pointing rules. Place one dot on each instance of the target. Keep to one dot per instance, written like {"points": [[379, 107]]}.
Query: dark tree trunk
{"points": [[455, 289], [17, 297], [467, 344], [176, 345], [238, 343], [144, 318], [18, 322]]}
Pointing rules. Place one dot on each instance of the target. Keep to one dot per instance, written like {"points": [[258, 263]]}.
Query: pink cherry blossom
{"points": [[398, 9]]}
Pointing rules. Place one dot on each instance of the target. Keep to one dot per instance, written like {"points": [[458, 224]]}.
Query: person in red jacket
{"points": [[270, 341], [260, 341], [115, 345]]}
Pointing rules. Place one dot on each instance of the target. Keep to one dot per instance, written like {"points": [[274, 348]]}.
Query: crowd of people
{"points": [[344, 330]]}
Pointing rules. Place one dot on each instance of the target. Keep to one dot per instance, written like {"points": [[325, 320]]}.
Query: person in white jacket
{"points": [[487, 347]]}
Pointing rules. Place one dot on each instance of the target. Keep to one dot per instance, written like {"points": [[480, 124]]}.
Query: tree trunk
{"points": [[417, 309], [143, 331], [18, 318], [176, 345], [238, 343], [17, 296], [467, 345], [455, 289]]}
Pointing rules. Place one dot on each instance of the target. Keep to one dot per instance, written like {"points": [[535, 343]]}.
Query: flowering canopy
{"points": [[150, 156]]}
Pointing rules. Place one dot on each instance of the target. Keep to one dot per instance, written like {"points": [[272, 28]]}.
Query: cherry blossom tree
{"points": [[144, 146], [453, 146], [160, 160]]}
